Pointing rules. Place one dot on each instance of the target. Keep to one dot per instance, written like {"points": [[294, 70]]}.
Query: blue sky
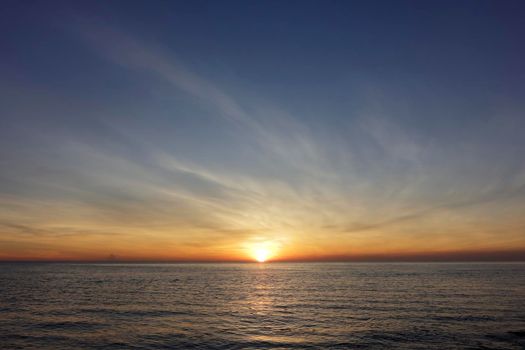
{"points": [[205, 130]]}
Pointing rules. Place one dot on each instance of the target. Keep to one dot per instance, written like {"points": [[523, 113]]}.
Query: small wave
{"points": [[68, 325], [135, 313], [467, 318], [520, 334]]}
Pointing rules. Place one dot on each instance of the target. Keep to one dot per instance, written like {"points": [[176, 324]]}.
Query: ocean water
{"points": [[262, 306]]}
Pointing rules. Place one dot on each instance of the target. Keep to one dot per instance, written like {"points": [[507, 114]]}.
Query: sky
{"points": [[296, 130]]}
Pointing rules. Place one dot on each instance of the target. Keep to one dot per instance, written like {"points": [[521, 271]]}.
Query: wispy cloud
{"points": [[372, 181]]}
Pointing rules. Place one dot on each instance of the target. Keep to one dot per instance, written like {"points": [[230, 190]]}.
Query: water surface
{"points": [[250, 306]]}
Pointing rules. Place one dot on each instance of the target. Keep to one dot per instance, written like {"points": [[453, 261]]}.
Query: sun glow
{"points": [[261, 254], [262, 250]]}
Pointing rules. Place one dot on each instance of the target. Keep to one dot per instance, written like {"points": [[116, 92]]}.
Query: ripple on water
{"points": [[275, 306]]}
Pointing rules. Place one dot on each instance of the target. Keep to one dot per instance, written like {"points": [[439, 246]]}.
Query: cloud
{"points": [[130, 52], [275, 177]]}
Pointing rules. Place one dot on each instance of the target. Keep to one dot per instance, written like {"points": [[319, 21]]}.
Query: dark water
{"points": [[229, 306]]}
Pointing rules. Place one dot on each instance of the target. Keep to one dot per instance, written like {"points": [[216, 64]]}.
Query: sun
{"points": [[261, 250], [261, 254]]}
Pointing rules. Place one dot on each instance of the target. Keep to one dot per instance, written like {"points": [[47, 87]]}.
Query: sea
{"points": [[262, 306]]}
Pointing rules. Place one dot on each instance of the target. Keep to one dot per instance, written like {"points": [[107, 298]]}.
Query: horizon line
{"points": [[444, 256], [182, 262]]}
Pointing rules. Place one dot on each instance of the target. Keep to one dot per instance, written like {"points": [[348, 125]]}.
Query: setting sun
{"points": [[261, 254], [262, 249]]}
